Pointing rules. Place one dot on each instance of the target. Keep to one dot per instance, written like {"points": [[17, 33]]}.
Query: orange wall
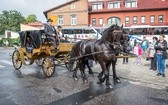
{"points": [[122, 16]]}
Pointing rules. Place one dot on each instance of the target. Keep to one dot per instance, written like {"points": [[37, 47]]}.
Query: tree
{"points": [[31, 18], [10, 20]]}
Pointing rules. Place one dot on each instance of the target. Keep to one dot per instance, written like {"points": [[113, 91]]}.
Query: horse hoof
{"points": [[85, 81], [76, 79], [109, 86], [99, 82], [118, 81], [91, 73]]}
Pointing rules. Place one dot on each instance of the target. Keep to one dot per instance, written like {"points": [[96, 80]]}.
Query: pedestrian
{"points": [[161, 55], [138, 51], [129, 48], [144, 45], [50, 31], [135, 42], [152, 54]]}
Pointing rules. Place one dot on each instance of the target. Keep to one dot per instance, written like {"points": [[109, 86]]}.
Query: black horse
{"points": [[102, 51]]}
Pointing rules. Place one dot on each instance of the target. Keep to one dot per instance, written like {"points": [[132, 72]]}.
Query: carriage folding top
{"points": [[34, 35]]}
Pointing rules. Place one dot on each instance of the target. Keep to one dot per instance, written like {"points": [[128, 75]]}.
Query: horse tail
{"points": [[72, 60]]}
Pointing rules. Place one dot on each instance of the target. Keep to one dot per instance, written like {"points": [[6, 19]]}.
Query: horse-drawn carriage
{"points": [[104, 51], [36, 47]]}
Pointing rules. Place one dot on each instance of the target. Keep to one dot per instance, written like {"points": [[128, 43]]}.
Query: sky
{"points": [[27, 7]]}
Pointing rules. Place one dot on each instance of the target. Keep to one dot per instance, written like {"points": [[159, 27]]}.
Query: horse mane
{"points": [[105, 33]]}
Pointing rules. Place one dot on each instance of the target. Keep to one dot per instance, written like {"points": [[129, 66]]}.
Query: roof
{"points": [[35, 24], [142, 5], [59, 6]]}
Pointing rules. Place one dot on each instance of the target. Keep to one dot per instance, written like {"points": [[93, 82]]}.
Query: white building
{"points": [[11, 34]]}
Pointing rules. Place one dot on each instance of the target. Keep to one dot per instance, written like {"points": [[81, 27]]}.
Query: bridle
{"points": [[114, 43]]}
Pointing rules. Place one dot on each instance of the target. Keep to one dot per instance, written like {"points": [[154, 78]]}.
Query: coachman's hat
{"points": [[49, 20]]}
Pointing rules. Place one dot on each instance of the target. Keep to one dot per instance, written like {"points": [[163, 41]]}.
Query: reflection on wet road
{"points": [[29, 87]]}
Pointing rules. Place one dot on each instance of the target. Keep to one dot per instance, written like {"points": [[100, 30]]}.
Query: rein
{"points": [[106, 52]]}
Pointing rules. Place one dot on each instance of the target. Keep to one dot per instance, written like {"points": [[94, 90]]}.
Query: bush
{"points": [[0, 42], [11, 41]]}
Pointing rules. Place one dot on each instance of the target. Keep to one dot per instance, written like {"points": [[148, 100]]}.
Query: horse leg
{"points": [[102, 79], [82, 69], [90, 70], [75, 72], [115, 77], [107, 75]]}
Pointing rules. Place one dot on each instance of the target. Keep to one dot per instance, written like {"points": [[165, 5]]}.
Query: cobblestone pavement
{"points": [[139, 73]]}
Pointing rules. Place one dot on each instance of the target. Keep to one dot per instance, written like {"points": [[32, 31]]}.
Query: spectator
{"points": [[152, 54], [161, 55], [138, 51], [129, 48], [144, 45], [135, 42]]}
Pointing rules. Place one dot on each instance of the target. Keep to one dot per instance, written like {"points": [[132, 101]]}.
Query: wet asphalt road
{"points": [[29, 87]]}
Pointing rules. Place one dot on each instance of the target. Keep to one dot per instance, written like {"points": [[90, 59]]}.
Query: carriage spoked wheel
{"points": [[16, 60], [48, 66], [39, 61]]}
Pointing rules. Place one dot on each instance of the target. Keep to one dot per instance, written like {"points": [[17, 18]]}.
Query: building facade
{"points": [[73, 13], [103, 13]]}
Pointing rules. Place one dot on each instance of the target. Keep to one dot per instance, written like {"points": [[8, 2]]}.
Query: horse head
{"points": [[115, 36]]}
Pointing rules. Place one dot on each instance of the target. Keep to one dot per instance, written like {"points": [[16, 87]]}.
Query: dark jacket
{"points": [[161, 46], [49, 30]]}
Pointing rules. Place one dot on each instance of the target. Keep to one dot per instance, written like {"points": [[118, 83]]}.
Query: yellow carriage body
{"points": [[40, 50]]}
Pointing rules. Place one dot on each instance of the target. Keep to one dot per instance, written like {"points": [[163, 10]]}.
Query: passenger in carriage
{"points": [[61, 37], [29, 44], [50, 31]]}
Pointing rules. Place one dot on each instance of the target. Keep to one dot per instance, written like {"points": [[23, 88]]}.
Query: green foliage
{"points": [[11, 41], [10, 20], [31, 18]]}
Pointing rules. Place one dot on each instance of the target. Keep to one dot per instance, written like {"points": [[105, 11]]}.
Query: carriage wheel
{"points": [[39, 61], [17, 63], [48, 67]]}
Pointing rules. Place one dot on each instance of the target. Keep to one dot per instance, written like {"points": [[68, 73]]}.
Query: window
{"points": [[160, 18], [97, 6], [143, 19], [73, 6], [135, 19], [114, 5], [100, 21], [131, 4], [152, 19], [127, 19], [60, 20], [73, 20], [113, 20], [93, 21]]}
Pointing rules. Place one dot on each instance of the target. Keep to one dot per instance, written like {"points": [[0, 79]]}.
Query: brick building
{"points": [[128, 12], [73, 13]]}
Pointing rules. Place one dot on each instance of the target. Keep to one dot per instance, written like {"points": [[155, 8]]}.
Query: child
{"points": [[138, 52]]}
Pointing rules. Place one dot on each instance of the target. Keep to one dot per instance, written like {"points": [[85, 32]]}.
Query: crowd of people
{"points": [[155, 51]]}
